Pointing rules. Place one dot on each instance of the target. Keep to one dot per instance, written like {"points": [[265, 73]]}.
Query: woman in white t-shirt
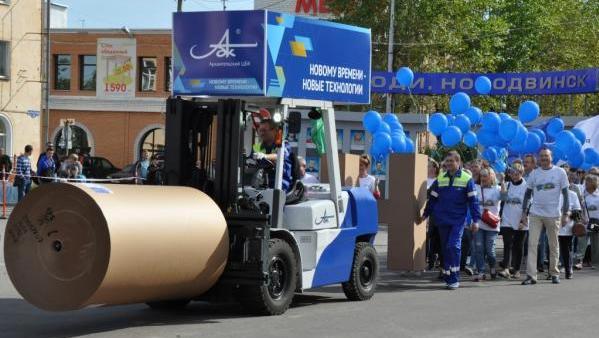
{"points": [[489, 197], [366, 180], [565, 232], [591, 209], [512, 230]]}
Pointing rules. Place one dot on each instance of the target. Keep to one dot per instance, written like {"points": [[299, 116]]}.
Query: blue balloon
{"points": [[482, 85], [384, 127], [504, 116], [372, 121], [409, 146], [576, 160], [519, 142], [381, 141], [533, 143], [474, 114], [451, 136], [528, 111], [398, 142], [555, 126], [470, 139], [450, 119], [540, 134], [462, 122], [591, 155], [508, 129], [459, 103], [586, 166], [564, 140], [580, 135], [490, 154], [575, 148], [502, 154], [558, 154], [491, 121], [499, 167], [437, 123], [392, 120], [486, 137], [405, 76]]}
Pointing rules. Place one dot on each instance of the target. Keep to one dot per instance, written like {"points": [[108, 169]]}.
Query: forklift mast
{"points": [[204, 150]]}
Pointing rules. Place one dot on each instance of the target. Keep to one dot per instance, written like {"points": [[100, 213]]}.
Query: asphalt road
{"points": [[404, 306]]}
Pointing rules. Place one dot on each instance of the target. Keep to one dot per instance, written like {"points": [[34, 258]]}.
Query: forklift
{"points": [[280, 243]]}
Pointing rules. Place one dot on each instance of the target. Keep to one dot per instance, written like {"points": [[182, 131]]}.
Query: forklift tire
{"points": [[175, 304], [275, 297], [364, 273]]}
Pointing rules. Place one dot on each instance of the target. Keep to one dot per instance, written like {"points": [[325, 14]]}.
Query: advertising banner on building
{"points": [[241, 53], [318, 8], [116, 59], [577, 81]]}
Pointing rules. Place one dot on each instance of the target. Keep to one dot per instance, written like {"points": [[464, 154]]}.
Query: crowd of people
{"points": [[544, 213]]}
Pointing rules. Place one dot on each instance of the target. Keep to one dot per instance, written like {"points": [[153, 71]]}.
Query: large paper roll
{"points": [[69, 246]]}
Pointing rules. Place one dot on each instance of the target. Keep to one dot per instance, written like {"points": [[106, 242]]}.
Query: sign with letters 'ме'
{"points": [[264, 53]]}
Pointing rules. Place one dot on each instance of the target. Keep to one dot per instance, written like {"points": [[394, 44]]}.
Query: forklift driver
{"points": [[267, 151]]}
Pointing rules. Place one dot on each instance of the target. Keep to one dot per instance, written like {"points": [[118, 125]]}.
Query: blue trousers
{"points": [[451, 244], [484, 247]]}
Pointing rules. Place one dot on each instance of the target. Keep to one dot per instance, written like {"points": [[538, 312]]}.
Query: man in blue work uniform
{"points": [[267, 150], [451, 196]]}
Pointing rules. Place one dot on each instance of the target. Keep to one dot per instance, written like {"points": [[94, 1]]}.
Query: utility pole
{"points": [[390, 51], [224, 5], [179, 5]]}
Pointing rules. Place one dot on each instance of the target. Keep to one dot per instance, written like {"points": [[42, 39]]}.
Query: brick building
{"points": [[116, 127]]}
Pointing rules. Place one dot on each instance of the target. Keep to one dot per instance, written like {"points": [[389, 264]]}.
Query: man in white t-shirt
{"points": [[305, 177], [547, 182]]}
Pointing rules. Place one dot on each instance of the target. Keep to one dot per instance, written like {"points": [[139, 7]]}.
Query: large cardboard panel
{"points": [[407, 196], [349, 167]]}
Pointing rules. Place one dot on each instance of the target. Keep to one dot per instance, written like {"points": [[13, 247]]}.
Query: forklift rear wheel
{"points": [[364, 273], [275, 297], [174, 304]]}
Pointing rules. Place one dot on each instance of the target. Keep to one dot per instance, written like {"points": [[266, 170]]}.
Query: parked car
{"points": [[98, 167], [127, 171]]}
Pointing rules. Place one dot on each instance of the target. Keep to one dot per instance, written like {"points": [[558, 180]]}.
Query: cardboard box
{"points": [[407, 197], [349, 167]]}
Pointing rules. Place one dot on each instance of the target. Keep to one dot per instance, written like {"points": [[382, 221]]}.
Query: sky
{"points": [[137, 13]]}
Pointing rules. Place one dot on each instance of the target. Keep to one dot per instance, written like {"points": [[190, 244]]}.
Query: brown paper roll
{"points": [[68, 246]]}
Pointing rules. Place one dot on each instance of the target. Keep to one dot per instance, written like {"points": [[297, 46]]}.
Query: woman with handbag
{"points": [[591, 206], [513, 231], [565, 232], [489, 197]]}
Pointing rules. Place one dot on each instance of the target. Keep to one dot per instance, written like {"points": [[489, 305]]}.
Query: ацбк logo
{"points": [[223, 49]]}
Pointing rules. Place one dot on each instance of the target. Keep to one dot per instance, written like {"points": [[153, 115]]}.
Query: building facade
{"points": [[20, 75], [113, 83]]}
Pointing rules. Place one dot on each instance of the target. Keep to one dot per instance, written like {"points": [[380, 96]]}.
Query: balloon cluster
{"points": [[387, 135], [501, 135]]}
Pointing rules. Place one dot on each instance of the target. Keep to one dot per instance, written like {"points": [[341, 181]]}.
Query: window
{"points": [[147, 76], [77, 140], [4, 59], [153, 142], [168, 73], [87, 72], [62, 72]]}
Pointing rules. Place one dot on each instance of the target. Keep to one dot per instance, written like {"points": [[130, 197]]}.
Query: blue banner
{"points": [[539, 83], [218, 53], [317, 59], [240, 53]]}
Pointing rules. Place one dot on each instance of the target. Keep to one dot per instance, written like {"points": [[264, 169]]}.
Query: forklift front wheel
{"points": [[364, 273], [275, 297]]}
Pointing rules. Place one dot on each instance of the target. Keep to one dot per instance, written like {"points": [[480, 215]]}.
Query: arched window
{"points": [[5, 135], [153, 142], [77, 140]]}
